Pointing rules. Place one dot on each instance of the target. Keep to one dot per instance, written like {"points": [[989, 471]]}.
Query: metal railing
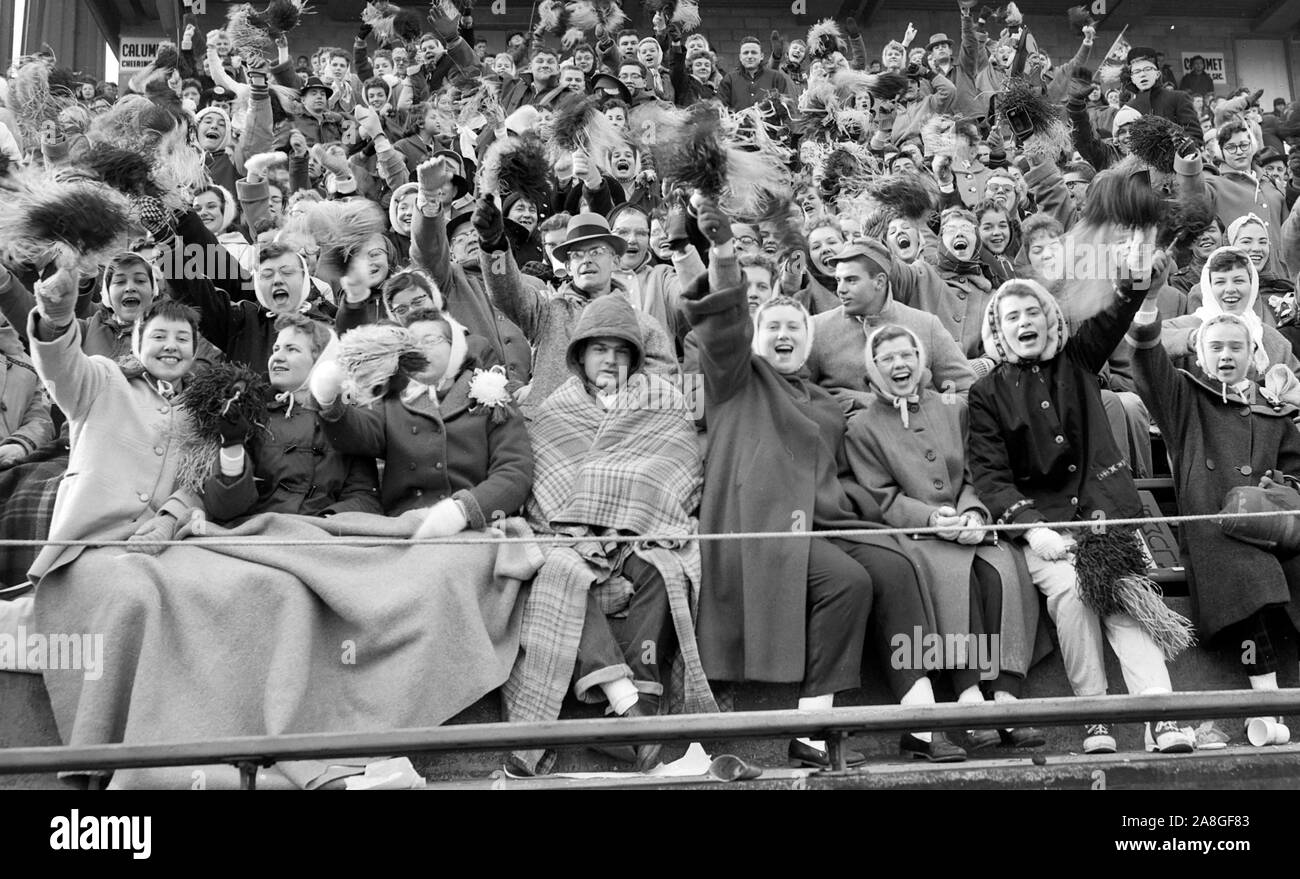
{"points": [[834, 725]]}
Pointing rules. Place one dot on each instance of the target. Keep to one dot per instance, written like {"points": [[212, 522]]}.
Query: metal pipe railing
{"points": [[834, 724]]}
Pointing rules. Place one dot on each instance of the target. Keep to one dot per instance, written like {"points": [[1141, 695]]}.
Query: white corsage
{"points": [[488, 389]]}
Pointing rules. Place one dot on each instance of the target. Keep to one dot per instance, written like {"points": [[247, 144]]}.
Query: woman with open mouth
{"points": [[792, 610], [1230, 283], [521, 219], [908, 450]]}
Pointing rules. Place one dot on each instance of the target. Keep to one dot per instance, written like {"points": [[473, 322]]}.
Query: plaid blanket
{"points": [[27, 494], [631, 469]]}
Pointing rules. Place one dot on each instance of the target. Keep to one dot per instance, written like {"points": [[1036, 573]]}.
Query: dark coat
{"points": [[1040, 446], [435, 452], [1219, 446], [291, 467], [740, 89], [776, 449], [1172, 104]]}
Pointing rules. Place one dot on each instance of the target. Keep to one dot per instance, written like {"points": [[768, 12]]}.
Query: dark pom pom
{"points": [[1111, 567], [888, 86], [522, 167], [1187, 217], [125, 170], [282, 16], [905, 195], [570, 120], [1122, 195], [1155, 140], [1028, 109], [1079, 18], [84, 216], [167, 56], [697, 160], [226, 391]]}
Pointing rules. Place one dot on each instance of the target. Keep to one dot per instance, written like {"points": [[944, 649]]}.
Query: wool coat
{"points": [[455, 449], [291, 467], [774, 461], [1222, 442]]}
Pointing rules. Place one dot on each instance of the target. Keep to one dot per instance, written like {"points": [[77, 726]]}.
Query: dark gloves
{"points": [[488, 221], [234, 426], [714, 224], [675, 229], [364, 31]]}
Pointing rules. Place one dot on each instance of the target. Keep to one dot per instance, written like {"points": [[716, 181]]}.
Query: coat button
{"points": [[938, 483], [1209, 463], [437, 466], [157, 450], [419, 492], [1060, 440], [144, 498], [1074, 501], [1245, 470], [1033, 369], [930, 455], [1045, 405], [1072, 468], [415, 429], [164, 409], [410, 466], [912, 407]]}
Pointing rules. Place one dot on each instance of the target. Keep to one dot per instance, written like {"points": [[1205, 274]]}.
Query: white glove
{"points": [[326, 382], [255, 166], [1048, 544], [444, 519]]}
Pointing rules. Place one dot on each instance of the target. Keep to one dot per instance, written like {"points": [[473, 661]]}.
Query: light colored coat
{"points": [[126, 449]]}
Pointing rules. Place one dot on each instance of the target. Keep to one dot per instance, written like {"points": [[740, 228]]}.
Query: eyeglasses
{"points": [[407, 307], [591, 252], [1144, 68], [911, 356], [1237, 147], [1000, 188], [747, 241]]}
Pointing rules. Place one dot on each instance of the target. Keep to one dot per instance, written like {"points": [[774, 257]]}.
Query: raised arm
{"points": [[718, 309]]}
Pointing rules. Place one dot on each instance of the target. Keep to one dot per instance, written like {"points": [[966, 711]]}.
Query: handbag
{"points": [[1281, 532]]}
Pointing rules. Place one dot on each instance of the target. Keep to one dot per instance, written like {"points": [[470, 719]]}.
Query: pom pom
{"points": [[687, 15], [125, 170], [824, 38], [881, 86], [548, 16], [1122, 196], [373, 355], [582, 15], [444, 9], [1186, 218], [517, 164], [1111, 568], [42, 219], [911, 196], [610, 17], [1079, 18], [247, 35], [578, 123], [1028, 110], [226, 390], [282, 16], [341, 225], [1155, 140], [167, 56], [34, 102]]}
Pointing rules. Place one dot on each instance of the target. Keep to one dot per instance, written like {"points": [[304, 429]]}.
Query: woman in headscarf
{"points": [[401, 208], [456, 456], [217, 209], [1229, 285], [790, 610], [908, 450], [1241, 593]]}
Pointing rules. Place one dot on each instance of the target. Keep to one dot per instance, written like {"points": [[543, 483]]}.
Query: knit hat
{"points": [[880, 383], [774, 302], [211, 110], [996, 346], [1125, 115], [398, 194], [610, 316]]}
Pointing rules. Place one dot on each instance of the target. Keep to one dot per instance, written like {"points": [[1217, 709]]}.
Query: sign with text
{"points": [[1214, 65], [135, 53]]}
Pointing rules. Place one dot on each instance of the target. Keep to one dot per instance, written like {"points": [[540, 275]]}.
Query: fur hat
{"points": [[996, 346]]}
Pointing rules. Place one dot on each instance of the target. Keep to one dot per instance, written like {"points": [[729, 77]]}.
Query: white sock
{"points": [[971, 694], [1264, 682], [1004, 696], [621, 694], [816, 703], [922, 693]]}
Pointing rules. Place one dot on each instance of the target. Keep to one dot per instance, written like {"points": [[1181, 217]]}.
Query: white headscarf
{"points": [[1211, 307]]}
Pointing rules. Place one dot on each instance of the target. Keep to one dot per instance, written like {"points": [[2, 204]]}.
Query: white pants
{"points": [[1079, 629]]}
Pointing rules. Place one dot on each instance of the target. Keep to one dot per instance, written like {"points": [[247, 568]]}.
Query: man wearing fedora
{"points": [[317, 122], [591, 251]]}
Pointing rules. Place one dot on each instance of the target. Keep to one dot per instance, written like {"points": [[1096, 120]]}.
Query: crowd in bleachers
{"points": [[605, 280]]}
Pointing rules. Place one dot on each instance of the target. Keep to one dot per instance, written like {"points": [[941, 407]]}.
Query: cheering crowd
{"points": [[613, 285]]}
